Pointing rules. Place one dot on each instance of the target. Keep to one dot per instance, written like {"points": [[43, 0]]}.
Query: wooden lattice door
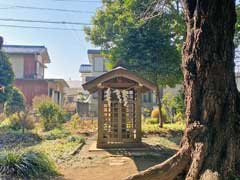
{"points": [[119, 119]]}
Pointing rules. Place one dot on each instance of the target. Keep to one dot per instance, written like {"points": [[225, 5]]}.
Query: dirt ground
{"points": [[115, 165]]}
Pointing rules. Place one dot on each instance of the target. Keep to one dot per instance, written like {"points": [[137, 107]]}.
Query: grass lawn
{"points": [[59, 143], [167, 127]]}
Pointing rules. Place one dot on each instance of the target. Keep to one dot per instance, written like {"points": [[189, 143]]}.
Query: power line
{"points": [[46, 9], [79, 1], [40, 27], [43, 21]]}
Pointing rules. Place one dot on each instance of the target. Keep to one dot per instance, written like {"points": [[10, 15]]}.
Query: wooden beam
{"points": [[118, 85], [100, 118], [119, 122], [138, 115], [115, 73]]}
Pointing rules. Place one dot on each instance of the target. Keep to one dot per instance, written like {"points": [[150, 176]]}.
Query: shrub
{"points": [[38, 100], [151, 120], [28, 165], [179, 117], [56, 133], [168, 106], [16, 102], [21, 121], [179, 102], [146, 112], [155, 114], [51, 114], [168, 127], [78, 139], [7, 77], [76, 121]]}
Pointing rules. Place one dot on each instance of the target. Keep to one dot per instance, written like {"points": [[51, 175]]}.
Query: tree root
{"points": [[209, 175], [197, 160], [167, 170], [188, 159]]}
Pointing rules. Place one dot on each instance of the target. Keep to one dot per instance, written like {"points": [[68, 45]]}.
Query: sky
{"points": [[67, 49]]}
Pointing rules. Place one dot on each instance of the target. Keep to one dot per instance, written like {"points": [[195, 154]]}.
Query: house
{"points": [[88, 72], [97, 67], [29, 63], [75, 97], [73, 91]]}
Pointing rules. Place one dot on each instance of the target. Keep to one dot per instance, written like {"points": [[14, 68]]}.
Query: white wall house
{"points": [[97, 67], [88, 72]]}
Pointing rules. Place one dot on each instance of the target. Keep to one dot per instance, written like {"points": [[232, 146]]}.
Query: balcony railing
{"points": [[85, 68]]}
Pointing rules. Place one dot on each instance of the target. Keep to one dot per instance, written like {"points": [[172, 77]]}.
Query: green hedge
{"points": [[26, 166]]}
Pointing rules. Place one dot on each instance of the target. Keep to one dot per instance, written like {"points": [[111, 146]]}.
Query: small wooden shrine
{"points": [[119, 107]]}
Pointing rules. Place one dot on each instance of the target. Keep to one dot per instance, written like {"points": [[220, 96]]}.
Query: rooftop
{"points": [[62, 81], [117, 73], [93, 51], [74, 84], [27, 49]]}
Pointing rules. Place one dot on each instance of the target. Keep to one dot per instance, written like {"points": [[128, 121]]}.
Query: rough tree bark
{"points": [[210, 148]]}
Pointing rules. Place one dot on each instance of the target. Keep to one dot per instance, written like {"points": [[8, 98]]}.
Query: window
{"points": [[147, 97], [40, 70], [70, 99], [50, 92], [98, 64]]}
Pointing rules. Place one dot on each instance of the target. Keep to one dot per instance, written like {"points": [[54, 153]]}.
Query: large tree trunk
{"points": [[210, 148]]}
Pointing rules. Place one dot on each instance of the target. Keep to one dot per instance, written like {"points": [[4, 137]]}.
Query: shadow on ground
{"points": [[143, 159], [17, 140]]}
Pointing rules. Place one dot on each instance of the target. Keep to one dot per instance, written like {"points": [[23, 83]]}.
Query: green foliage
{"points": [[168, 105], [56, 133], [27, 165], [179, 117], [6, 77], [75, 138], [179, 102], [51, 114], [154, 128], [171, 103], [15, 103], [237, 27], [152, 120], [75, 121], [21, 121], [150, 48], [146, 112]]}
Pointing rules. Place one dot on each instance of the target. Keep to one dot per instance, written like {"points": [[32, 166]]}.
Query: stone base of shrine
{"points": [[118, 146]]}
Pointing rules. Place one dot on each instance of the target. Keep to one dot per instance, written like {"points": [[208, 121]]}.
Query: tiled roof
{"points": [[62, 81], [23, 49]]}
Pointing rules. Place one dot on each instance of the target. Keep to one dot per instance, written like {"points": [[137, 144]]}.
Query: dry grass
{"points": [[81, 126], [154, 128]]}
